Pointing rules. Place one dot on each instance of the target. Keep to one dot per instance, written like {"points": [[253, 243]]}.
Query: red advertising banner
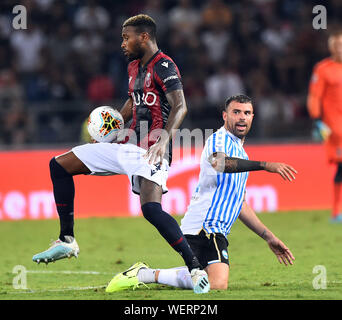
{"points": [[26, 189]]}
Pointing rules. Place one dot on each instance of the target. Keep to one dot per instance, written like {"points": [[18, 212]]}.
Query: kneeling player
{"points": [[218, 201], [212, 252]]}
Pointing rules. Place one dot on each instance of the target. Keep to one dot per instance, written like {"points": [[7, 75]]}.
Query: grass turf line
{"points": [[110, 245]]}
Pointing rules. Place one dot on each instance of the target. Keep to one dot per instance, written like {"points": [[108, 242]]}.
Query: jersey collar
{"points": [[235, 138], [145, 66]]}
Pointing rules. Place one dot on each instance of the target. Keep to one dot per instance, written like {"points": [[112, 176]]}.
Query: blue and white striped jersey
{"points": [[217, 200]]}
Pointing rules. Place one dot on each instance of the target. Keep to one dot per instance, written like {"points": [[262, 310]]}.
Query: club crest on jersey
{"points": [[148, 80]]}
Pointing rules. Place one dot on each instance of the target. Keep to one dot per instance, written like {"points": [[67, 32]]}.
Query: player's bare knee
{"points": [[59, 161], [149, 191], [57, 171], [218, 285], [218, 281], [218, 274]]}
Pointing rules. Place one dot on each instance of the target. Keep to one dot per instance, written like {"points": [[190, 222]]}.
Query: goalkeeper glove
{"points": [[321, 131]]}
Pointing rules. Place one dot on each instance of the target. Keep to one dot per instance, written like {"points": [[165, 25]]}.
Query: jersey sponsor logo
{"points": [[170, 78], [148, 80], [165, 64], [149, 98]]}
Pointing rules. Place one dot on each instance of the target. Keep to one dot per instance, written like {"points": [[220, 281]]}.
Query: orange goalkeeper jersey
{"points": [[326, 85]]}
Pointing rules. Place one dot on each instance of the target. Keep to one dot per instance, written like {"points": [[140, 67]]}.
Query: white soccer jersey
{"points": [[217, 200]]}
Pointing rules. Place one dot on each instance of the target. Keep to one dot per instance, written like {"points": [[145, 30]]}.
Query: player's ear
{"points": [[224, 115], [144, 36]]}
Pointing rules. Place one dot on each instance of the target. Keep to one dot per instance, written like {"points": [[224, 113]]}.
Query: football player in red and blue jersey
{"points": [[156, 106], [155, 90]]}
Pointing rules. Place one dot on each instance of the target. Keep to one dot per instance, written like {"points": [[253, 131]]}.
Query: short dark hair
{"points": [[142, 23], [241, 98]]}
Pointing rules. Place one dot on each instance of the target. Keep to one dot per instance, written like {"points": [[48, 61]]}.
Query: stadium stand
{"points": [[69, 60]]}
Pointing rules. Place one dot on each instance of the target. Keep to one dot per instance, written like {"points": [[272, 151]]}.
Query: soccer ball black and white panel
{"points": [[105, 124]]}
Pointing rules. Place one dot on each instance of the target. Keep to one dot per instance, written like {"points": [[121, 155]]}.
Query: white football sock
{"points": [[147, 275], [176, 277]]}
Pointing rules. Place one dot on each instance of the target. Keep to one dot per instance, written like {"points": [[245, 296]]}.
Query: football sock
{"points": [[64, 193], [147, 275], [171, 232], [176, 277], [337, 199]]}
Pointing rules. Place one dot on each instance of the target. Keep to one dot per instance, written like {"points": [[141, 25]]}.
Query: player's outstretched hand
{"points": [[155, 153], [286, 171], [283, 253]]}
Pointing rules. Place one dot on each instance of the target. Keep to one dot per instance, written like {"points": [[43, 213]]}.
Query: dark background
{"points": [[69, 61]]}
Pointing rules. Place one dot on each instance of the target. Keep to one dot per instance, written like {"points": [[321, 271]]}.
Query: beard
{"points": [[136, 53], [241, 135], [238, 133]]}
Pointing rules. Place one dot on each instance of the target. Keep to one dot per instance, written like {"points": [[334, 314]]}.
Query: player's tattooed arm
{"points": [[127, 110], [232, 164], [222, 163], [263, 234]]}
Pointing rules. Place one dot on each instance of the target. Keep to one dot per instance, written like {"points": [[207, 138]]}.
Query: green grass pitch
{"points": [[110, 245]]}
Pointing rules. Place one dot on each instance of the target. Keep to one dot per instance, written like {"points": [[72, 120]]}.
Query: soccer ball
{"points": [[104, 124]]}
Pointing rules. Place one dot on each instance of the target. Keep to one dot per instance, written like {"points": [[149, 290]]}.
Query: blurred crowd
{"points": [[69, 60]]}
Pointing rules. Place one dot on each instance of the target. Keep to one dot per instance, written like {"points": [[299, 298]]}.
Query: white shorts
{"points": [[113, 158]]}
